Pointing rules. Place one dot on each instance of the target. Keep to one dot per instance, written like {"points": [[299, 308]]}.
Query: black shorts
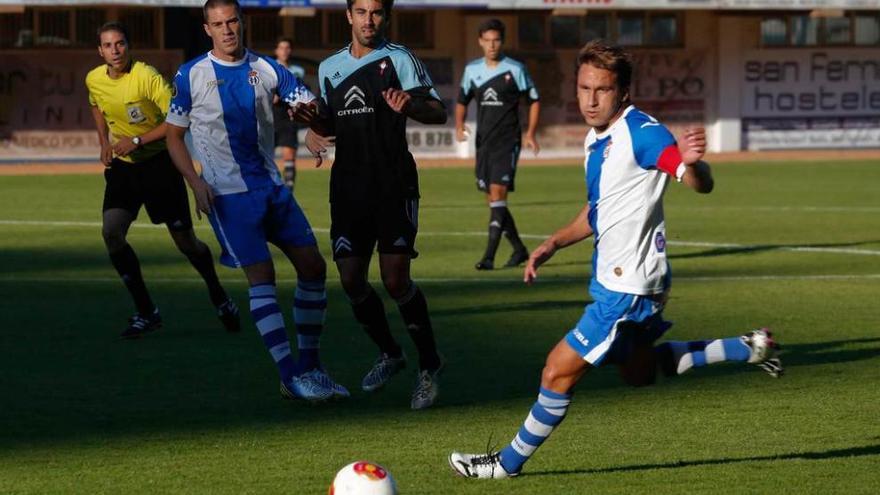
{"points": [[285, 129], [154, 183], [497, 165], [356, 228]]}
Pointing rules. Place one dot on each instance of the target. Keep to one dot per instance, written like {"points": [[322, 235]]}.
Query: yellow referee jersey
{"points": [[132, 105]]}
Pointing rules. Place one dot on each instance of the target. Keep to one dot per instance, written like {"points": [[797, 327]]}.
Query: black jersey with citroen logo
{"points": [[497, 91], [372, 157]]}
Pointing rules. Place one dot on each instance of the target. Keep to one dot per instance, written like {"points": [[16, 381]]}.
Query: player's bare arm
{"points": [[125, 144], [461, 130], [576, 231], [697, 175], [419, 108], [202, 192], [530, 140], [101, 126]]}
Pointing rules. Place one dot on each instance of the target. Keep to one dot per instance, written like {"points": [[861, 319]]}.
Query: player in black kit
{"points": [[368, 90], [498, 83]]}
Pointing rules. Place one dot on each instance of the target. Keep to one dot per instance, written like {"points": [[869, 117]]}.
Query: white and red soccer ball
{"points": [[363, 478]]}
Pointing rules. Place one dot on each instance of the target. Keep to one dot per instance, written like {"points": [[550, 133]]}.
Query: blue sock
{"points": [[699, 353], [544, 417], [309, 307], [270, 324]]}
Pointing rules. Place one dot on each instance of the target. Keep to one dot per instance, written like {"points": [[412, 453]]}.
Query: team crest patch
{"points": [[660, 242], [174, 89], [382, 67], [607, 150], [507, 78], [618, 271], [135, 114], [253, 78]]}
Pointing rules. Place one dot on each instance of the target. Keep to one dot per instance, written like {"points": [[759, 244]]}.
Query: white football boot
{"points": [[763, 351], [481, 466]]}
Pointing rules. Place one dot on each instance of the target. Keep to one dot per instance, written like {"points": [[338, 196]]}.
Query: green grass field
{"points": [[191, 409]]}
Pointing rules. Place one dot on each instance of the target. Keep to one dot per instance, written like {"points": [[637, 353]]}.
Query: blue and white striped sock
{"points": [[270, 324], [699, 353], [544, 417], [309, 308]]}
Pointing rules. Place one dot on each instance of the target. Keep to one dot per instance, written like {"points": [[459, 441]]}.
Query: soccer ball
{"points": [[363, 478]]}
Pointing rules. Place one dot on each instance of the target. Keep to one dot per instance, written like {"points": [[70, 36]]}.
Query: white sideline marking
{"points": [[429, 280], [797, 249]]}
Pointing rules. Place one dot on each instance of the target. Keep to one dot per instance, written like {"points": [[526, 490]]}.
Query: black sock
{"points": [[509, 227], [496, 223], [128, 267], [370, 313], [414, 310], [204, 264]]}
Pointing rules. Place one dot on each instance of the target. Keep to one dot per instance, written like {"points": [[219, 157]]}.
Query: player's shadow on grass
{"points": [[725, 251], [829, 352], [509, 307], [868, 450], [67, 261]]}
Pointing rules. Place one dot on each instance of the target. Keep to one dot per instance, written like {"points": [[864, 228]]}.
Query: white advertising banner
{"points": [[811, 98], [816, 82]]}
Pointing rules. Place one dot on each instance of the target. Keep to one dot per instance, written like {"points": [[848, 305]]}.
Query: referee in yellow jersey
{"points": [[129, 101]]}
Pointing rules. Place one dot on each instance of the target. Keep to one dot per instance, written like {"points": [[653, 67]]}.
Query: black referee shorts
{"points": [[154, 183], [497, 165], [356, 228]]}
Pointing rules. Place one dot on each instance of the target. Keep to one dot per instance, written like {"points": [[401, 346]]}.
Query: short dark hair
{"points": [[284, 39], [492, 25], [210, 4], [113, 26], [602, 54], [387, 5]]}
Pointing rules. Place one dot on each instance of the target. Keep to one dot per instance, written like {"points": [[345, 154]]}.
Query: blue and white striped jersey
{"points": [[627, 169], [227, 107]]}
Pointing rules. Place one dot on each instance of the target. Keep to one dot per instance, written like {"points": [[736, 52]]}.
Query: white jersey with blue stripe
{"points": [[227, 107], [627, 169]]}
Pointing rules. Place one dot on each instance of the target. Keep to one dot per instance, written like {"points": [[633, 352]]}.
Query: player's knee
{"points": [[395, 284], [554, 378], [315, 270], [114, 238], [354, 285], [640, 374]]}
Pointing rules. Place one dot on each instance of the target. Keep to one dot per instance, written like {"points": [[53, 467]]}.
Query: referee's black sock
{"points": [[203, 262], [370, 313], [498, 211], [127, 266], [509, 228], [414, 310]]}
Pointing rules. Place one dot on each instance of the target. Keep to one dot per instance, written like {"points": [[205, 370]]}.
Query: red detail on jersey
{"points": [[669, 160], [370, 470]]}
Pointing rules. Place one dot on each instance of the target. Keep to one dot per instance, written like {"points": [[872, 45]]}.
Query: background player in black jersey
{"points": [[369, 89], [498, 82]]}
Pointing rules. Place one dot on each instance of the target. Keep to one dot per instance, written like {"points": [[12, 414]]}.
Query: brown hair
{"points": [[601, 54], [210, 4]]}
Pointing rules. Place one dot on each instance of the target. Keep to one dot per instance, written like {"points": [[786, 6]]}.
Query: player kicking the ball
{"points": [[630, 159]]}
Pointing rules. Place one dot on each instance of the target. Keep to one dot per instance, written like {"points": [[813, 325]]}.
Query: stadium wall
{"points": [[716, 73]]}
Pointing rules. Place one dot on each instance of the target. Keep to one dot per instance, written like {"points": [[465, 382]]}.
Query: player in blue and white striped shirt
{"points": [[224, 98], [630, 160]]}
